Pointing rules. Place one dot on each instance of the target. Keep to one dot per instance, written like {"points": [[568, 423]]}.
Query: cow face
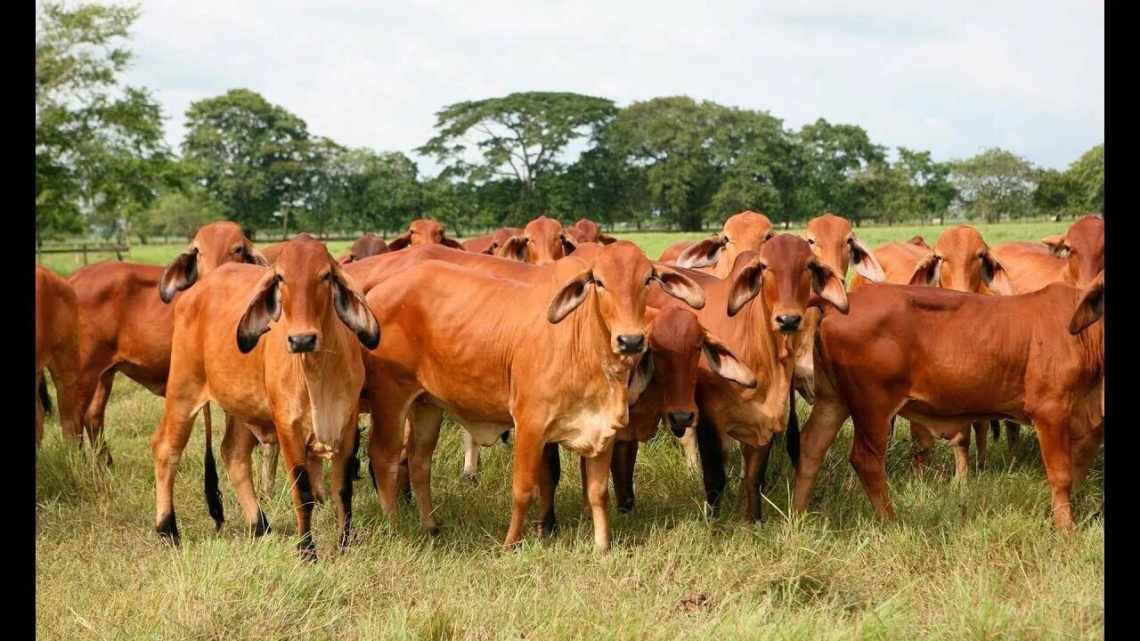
{"points": [[365, 246], [746, 231], [967, 265], [620, 276], [302, 288], [424, 231], [1083, 245], [542, 242], [833, 241], [790, 278], [214, 245], [587, 231]]}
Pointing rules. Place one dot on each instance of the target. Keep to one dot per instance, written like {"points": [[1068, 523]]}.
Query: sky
{"points": [[953, 78]]}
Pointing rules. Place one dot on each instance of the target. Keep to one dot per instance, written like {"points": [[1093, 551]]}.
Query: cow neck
{"points": [[761, 349], [327, 378]]}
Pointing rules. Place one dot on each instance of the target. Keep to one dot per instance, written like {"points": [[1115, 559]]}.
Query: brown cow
{"points": [[785, 278], [300, 382], [946, 358], [487, 244], [588, 231], [423, 231], [541, 242], [558, 366], [57, 349], [367, 245], [746, 231], [270, 252], [125, 325]]}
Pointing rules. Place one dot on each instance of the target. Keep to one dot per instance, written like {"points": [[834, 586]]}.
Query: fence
{"points": [[85, 249]]}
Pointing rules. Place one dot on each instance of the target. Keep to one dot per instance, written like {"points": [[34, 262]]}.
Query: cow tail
{"points": [[210, 479], [45, 398]]}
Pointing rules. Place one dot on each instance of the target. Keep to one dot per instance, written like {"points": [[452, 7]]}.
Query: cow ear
{"points": [[1090, 308], [927, 271], [452, 243], [722, 361], [866, 265], [401, 242], [353, 310], [568, 245], [606, 239], [641, 376], [182, 273], [680, 287], [263, 308], [514, 249], [254, 257], [570, 296], [746, 285], [492, 249], [703, 254], [828, 285], [345, 259], [994, 274], [918, 241], [1056, 244]]}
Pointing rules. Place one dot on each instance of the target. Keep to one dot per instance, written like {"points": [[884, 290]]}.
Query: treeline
{"points": [[670, 162]]}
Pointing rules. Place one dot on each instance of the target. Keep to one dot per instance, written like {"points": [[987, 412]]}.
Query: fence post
{"points": [[84, 246]]}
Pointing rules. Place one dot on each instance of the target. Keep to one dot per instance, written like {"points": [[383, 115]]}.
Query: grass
{"points": [[973, 560]]}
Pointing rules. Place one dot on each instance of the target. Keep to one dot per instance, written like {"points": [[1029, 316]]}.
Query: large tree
{"points": [[519, 137], [1087, 173], [926, 190], [249, 155], [833, 155], [993, 184], [99, 144], [759, 164]]}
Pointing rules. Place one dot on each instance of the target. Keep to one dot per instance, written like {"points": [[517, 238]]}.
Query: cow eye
{"points": [[811, 241], [599, 283]]}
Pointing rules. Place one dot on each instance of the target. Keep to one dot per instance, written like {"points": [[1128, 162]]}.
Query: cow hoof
{"points": [[307, 550], [261, 527], [625, 507], [433, 531], [548, 527], [105, 458], [168, 530], [471, 478]]}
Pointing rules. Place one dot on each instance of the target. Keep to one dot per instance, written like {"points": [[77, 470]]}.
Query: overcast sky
{"points": [[954, 78]]}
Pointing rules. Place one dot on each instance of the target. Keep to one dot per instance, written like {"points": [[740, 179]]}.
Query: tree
{"points": [[994, 183], [1087, 174], [1057, 193], [759, 163], [518, 137], [181, 214], [99, 145], [249, 155], [833, 155], [883, 192], [928, 191]]}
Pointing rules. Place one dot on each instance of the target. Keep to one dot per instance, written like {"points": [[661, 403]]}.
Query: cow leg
{"points": [[827, 416], [995, 429], [386, 441], [961, 444], [166, 446], [296, 460], [689, 445], [598, 485], [921, 442], [426, 420], [548, 487], [237, 448], [268, 476], [1084, 451], [96, 410], [982, 439], [868, 457], [1012, 433], [755, 472], [39, 409], [64, 368], [470, 456], [621, 466], [316, 470], [712, 462], [527, 468], [344, 469], [1057, 456], [792, 444]]}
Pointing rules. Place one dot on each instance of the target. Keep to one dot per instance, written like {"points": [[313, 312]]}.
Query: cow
{"points": [[541, 242], [278, 348], [57, 349], [126, 326], [961, 261], [367, 245], [487, 244], [946, 358], [745, 231], [588, 231], [269, 252], [557, 364], [758, 312], [423, 231]]}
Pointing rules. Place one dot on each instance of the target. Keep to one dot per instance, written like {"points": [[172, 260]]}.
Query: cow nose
{"points": [[678, 421], [631, 343], [302, 343], [789, 322]]}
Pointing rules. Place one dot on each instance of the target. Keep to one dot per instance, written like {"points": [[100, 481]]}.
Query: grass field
{"points": [[973, 560]]}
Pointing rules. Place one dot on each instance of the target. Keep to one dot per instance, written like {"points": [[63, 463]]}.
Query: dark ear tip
{"points": [[245, 343], [166, 294], [369, 339]]}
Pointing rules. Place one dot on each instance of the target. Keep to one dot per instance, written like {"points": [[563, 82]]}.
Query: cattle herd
{"points": [[568, 337]]}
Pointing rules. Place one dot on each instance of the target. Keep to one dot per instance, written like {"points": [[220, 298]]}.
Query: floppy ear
{"points": [[994, 274], [182, 273], [263, 308], [1055, 243], [828, 285], [401, 242], [640, 376], [491, 250], [722, 361], [1090, 309], [452, 243], [606, 239], [514, 249], [746, 285], [680, 287], [570, 296], [927, 271], [917, 240], [703, 254], [346, 258], [352, 309], [254, 257], [568, 245], [866, 265]]}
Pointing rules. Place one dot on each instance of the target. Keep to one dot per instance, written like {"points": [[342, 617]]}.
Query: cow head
{"points": [[367, 245], [214, 245], [542, 242], [746, 231], [790, 277], [966, 264], [1090, 308], [423, 231], [302, 288], [587, 231], [1083, 246], [833, 241], [620, 276]]}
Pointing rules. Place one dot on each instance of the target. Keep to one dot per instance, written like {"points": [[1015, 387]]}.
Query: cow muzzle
{"points": [[679, 422], [788, 323], [302, 343], [631, 344]]}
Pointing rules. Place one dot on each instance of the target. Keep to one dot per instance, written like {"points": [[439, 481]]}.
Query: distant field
{"points": [[974, 560]]}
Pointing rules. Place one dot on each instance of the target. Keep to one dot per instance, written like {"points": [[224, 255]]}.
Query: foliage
{"points": [[1087, 174], [993, 184]]}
